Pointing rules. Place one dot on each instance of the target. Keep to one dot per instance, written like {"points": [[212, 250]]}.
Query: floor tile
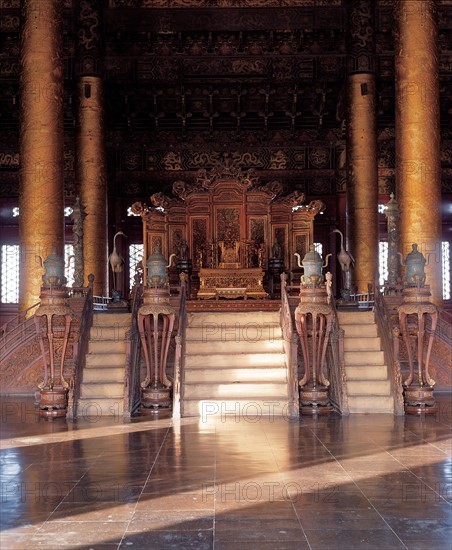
{"points": [[367, 482]]}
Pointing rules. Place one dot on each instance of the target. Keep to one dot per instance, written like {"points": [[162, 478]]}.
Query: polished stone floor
{"points": [[362, 482]]}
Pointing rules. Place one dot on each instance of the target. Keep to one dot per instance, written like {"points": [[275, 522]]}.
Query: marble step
{"points": [[360, 331], [104, 374], [246, 409], [112, 319], [362, 343], [245, 318], [99, 407], [364, 387], [234, 333], [216, 361], [105, 360], [101, 389], [233, 347], [356, 317], [357, 358], [235, 374], [373, 372], [107, 346], [110, 333], [240, 390], [367, 404]]}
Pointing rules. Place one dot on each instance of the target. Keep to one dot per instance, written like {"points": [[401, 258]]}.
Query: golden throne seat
{"points": [[230, 257]]}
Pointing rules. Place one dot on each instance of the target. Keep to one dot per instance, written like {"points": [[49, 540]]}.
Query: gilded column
{"points": [[91, 157], [418, 135], [41, 199], [91, 176], [361, 139]]}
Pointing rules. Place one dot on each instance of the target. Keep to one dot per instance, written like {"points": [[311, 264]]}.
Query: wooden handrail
{"points": [[80, 347], [290, 350], [336, 365], [180, 349], [389, 339]]}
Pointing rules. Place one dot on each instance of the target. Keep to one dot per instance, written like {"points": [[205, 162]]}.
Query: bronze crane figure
{"points": [[115, 259], [344, 258]]}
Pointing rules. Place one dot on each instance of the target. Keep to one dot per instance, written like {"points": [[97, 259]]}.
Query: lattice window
{"points": [[318, 247], [130, 213], [9, 273], [383, 261], [69, 264], [67, 211], [446, 269], [135, 256]]}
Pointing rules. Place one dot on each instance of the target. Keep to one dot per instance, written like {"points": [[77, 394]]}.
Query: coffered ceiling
{"points": [[188, 82]]}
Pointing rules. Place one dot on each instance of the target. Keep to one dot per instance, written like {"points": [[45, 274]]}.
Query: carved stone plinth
{"points": [[155, 324], [313, 318], [413, 314]]}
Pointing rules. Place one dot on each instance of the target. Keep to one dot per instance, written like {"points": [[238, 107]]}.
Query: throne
{"points": [[229, 252], [230, 276]]}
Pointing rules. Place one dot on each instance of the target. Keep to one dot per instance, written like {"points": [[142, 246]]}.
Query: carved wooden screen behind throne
{"points": [[231, 221]]}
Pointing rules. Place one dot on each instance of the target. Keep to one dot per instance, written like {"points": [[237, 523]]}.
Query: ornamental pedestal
{"points": [[313, 318], [418, 318], [53, 389], [155, 324]]}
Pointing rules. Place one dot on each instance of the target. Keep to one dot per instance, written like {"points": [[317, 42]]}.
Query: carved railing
{"points": [[444, 327], [390, 341], [180, 350], [336, 365], [290, 349], [101, 302], [80, 346], [17, 332], [132, 381]]}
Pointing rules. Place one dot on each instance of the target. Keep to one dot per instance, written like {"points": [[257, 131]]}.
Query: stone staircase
{"points": [[368, 384], [102, 387], [234, 365]]}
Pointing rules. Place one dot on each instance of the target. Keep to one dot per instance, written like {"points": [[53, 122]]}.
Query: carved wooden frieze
{"points": [[89, 37], [361, 38], [221, 3]]}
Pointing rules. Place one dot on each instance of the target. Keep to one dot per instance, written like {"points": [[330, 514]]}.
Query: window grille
{"points": [[383, 261], [69, 264], [135, 256], [9, 273], [318, 247], [446, 269]]}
